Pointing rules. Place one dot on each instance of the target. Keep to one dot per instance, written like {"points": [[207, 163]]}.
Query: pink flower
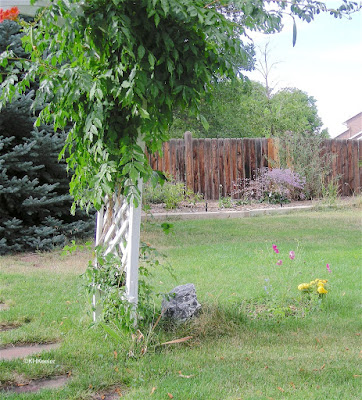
{"points": [[275, 248], [328, 268], [291, 255], [279, 262]]}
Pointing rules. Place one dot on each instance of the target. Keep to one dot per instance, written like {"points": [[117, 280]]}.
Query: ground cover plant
{"points": [[257, 338]]}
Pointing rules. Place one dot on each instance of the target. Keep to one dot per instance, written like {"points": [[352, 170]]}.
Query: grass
{"points": [[245, 345]]}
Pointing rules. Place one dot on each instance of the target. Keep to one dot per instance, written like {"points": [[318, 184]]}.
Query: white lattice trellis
{"points": [[118, 230]]}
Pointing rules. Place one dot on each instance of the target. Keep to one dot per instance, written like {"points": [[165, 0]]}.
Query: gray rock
{"points": [[181, 303]]}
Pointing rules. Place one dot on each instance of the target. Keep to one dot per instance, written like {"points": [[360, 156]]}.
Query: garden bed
{"points": [[227, 206]]}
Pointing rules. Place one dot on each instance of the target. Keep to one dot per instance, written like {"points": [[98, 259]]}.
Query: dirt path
{"points": [[10, 353]]}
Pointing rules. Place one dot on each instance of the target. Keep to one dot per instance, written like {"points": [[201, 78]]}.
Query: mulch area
{"points": [[216, 206]]}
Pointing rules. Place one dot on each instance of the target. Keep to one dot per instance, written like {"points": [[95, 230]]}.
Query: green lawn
{"points": [[256, 338]]}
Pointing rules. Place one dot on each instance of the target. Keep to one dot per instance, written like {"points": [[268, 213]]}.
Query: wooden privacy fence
{"points": [[212, 166]]}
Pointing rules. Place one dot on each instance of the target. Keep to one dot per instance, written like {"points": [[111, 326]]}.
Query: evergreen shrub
{"points": [[34, 187]]}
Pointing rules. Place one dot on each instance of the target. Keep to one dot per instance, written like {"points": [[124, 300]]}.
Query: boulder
{"points": [[181, 303]]}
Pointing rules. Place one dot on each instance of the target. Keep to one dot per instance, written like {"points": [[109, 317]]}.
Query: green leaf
{"points": [[204, 122], [97, 123], [166, 227], [170, 66], [141, 52], [144, 113], [165, 6], [126, 84], [134, 174], [151, 60], [157, 20], [94, 130], [99, 93], [111, 332]]}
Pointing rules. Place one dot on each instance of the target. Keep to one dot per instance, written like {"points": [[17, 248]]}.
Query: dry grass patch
{"points": [[55, 262]]}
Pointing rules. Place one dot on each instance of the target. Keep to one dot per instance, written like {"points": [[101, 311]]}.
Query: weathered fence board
{"points": [[212, 166], [214, 169], [180, 160], [221, 165], [247, 158], [338, 148], [196, 187], [189, 161], [227, 178], [360, 162], [356, 174], [240, 159], [173, 157], [344, 167], [233, 165], [208, 173], [350, 167], [201, 160], [333, 149]]}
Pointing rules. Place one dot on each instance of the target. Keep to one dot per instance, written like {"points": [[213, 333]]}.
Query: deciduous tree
{"points": [[244, 109], [116, 70]]}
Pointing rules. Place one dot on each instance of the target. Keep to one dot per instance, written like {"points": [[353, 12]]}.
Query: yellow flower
{"points": [[304, 286], [321, 290], [312, 282]]}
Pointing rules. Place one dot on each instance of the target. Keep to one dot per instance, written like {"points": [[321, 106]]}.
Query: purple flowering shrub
{"points": [[279, 185]]}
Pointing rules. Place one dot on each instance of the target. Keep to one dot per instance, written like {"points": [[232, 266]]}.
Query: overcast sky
{"points": [[326, 62]]}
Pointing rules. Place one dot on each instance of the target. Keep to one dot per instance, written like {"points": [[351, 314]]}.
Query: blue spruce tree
{"points": [[34, 187]]}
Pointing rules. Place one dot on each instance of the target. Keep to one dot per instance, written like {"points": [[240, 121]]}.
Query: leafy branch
{"points": [[114, 78]]}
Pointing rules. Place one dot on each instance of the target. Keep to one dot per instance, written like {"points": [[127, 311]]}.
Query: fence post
{"points": [[357, 182], [118, 229], [189, 161], [96, 294], [273, 153], [133, 249]]}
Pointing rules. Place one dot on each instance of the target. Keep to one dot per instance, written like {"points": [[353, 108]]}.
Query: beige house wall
{"points": [[354, 126], [344, 135]]}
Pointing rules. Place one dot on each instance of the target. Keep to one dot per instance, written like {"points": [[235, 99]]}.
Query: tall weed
{"points": [[303, 154]]}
